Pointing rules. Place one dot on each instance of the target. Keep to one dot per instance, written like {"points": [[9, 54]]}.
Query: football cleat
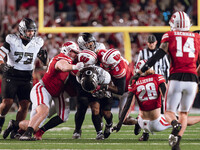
{"points": [[107, 131], [173, 140], [144, 137], [17, 136], [38, 134], [12, 134], [10, 128], [77, 135], [100, 136], [26, 137]]}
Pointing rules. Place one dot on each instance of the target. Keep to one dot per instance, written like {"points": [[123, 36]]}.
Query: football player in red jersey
{"points": [[120, 72], [183, 49], [51, 85], [148, 90]]}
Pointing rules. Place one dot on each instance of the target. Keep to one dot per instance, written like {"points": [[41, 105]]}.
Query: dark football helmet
{"points": [[197, 31], [89, 79], [25, 25], [86, 41]]}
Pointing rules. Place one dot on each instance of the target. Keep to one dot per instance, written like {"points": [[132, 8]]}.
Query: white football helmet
{"points": [[88, 57], [111, 58], [139, 66], [69, 46], [180, 21]]}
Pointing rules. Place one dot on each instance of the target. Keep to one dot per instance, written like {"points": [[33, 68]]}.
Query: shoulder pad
{"points": [[39, 41], [11, 37], [99, 46]]}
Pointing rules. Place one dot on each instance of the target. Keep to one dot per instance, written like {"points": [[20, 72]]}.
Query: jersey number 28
{"points": [[147, 92]]}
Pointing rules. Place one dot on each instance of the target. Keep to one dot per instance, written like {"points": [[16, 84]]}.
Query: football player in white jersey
{"points": [[87, 41], [21, 51], [97, 81]]}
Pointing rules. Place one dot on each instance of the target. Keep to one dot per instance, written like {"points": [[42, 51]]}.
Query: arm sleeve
{"points": [[120, 84], [151, 61], [163, 88], [126, 107]]}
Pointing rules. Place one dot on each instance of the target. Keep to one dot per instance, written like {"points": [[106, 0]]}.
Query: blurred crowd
{"points": [[93, 13]]}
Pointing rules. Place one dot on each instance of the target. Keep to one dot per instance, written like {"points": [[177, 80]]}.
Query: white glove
{"points": [[78, 66]]}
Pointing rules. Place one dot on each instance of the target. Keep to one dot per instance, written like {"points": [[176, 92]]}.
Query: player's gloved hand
{"points": [[78, 66], [43, 55], [135, 78], [6, 68], [117, 127], [101, 87]]}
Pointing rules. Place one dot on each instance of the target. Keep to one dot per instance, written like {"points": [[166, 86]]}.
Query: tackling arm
{"points": [[130, 100], [64, 66]]}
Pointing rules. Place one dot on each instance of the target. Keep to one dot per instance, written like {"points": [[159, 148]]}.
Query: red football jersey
{"points": [[146, 91], [121, 70], [53, 79], [100, 54], [183, 50]]}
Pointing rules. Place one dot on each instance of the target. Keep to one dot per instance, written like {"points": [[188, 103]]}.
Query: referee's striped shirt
{"points": [[161, 66]]}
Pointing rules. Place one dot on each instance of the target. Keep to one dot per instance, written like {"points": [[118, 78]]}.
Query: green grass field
{"points": [[61, 138]]}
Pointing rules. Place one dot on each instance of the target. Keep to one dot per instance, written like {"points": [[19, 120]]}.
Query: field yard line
{"points": [[104, 143]]}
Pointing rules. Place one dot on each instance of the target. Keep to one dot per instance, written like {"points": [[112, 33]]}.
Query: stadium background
{"points": [[124, 25]]}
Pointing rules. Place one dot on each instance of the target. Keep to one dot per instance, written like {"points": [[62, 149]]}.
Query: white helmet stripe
{"points": [[183, 19], [108, 54], [90, 52]]}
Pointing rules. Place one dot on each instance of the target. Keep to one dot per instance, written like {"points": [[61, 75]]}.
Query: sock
{"points": [[109, 120], [29, 131], [96, 119], [53, 122], [174, 122], [79, 117], [2, 120]]}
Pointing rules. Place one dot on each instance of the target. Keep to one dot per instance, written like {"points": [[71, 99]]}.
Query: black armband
{"points": [[163, 88], [126, 107], [152, 60]]}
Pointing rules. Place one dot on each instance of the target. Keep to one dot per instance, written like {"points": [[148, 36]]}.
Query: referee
{"points": [[161, 66]]}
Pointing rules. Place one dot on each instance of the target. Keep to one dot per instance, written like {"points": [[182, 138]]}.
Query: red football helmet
{"points": [[180, 21], [111, 58]]}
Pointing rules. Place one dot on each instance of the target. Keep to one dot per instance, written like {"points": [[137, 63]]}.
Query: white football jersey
{"points": [[103, 76], [99, 46], [19, 56]]}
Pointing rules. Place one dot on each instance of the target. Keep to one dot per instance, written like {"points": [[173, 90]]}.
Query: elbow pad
{"points": [[151, 61]]}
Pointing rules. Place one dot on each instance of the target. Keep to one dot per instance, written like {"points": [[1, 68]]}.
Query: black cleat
{"points": [[173, 137], [27, 138], [77, 134], [144, 137], [12, 134], [100, 136], [10, 128], [107, 131]]}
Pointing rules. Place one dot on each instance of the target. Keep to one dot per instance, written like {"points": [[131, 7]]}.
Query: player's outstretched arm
{"points": [[124, 114]]}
